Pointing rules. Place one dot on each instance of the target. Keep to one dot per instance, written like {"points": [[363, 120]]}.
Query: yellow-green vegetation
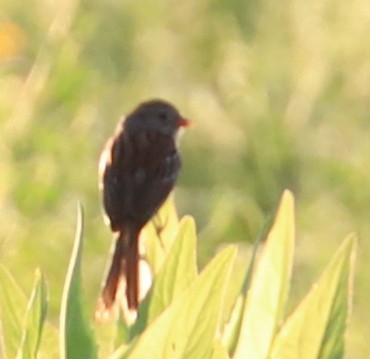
{"points": [[279, 93], [189, 314]]}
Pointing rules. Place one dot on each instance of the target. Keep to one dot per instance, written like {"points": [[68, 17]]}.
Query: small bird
{"points": [[138, 169]]}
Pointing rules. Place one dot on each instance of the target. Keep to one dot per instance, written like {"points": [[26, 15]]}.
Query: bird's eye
{"points": [[162, 116]]}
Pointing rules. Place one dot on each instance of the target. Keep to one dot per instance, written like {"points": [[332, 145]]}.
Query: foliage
{"points": [[183, 313], [279, 93]]}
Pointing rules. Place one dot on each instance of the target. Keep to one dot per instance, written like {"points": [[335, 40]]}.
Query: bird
{"points": [[138, 169]]}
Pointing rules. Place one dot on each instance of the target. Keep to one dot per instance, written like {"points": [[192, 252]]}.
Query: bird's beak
{"points": [[185, 122]]}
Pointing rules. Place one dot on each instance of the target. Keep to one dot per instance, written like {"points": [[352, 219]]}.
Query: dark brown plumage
{"points": [[138, 169]]}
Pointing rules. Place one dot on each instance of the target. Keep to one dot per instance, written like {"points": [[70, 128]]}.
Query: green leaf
{"points": [[109, 337], [49, 344], [187, 329], [35, 317], [12, 307], [122, 334], [76, 340], [176, 274], [160, 233], [219, 352], [231, 330], [178, 271], [268, 292], [316, 329]]}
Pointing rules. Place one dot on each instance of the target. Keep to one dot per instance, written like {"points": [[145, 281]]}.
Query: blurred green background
{"points": [[279, 93]]}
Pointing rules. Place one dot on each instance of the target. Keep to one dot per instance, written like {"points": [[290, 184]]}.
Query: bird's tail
{"points": [[132, 270], [124, 269]]}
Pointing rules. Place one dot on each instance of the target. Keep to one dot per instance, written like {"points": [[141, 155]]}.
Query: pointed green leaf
{"points": [[219, 352], [76, 340], [231, 331], [269, 288], [316, 328], [176, 274], [13, 304], [2, 345], [122, 334], [187, 329], [160, 233], [108, 336], [35, 317], [166, 220], [178, 271], [12, 307], [49, 343]]}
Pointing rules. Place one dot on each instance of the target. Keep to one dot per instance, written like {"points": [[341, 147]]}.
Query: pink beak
{"points": [[185, 123]]}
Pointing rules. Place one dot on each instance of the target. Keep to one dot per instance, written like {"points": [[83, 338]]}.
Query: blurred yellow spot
{"points": [[12, 40]]}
